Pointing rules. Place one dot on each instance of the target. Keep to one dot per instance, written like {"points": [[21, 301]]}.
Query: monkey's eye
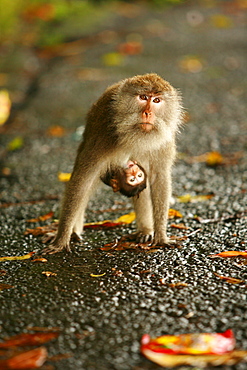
{"points": [[143, 97], [156, 100], [132, 179], [139, 174]]}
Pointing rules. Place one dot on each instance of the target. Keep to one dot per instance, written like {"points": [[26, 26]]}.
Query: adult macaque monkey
{"points": [[129, 180], [136, 118]]}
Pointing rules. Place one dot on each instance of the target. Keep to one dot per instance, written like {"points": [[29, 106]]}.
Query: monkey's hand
{"points": [[55, 248]]}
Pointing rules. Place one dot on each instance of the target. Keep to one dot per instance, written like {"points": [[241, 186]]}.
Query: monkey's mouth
{"points": [[130, 164], [146, 127]]}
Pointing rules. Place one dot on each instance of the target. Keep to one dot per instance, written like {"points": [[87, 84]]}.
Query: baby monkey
{"points": [[129, 180]]}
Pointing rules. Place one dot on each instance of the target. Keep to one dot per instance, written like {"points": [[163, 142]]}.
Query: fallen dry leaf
{"points": [[28, 339], [127, 218], [192, 64], [200, 350], [173, 213], [49, 273], [200, 361], [17, 258], [127, 242], [56, 131], [173, 285], [102, 224], [95, 275], [113, 59], [131, 48], [221, 21], [228, 254], [15, 144], [64, 176], [41, 260], [215, 158], [45, 217], [179, 226], [5, 286], [51, 229], [26, 360], [196, 343], [42, 230], [194, 198], [229, 279]]}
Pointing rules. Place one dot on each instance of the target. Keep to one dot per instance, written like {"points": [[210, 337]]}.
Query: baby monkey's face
{"points": [[134, 175]]}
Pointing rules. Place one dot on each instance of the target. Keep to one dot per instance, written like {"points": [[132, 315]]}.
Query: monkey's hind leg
{"points": [[144, 217]]}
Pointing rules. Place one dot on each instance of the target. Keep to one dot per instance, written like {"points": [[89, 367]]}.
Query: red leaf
{"points": [[26, 339], [26, 360], [196, 344], [104, 225]]}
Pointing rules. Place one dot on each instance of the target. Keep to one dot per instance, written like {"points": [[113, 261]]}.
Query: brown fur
{"points": [[112, 136]]}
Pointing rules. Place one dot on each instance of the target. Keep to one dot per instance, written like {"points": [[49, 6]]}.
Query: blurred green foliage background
{"points": [[49, 22]]}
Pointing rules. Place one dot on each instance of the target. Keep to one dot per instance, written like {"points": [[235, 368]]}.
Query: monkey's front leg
{"points": [[74, 204], [144, 216]]}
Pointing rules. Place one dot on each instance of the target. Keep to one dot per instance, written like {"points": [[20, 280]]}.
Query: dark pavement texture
{"points": [[202, 51]]}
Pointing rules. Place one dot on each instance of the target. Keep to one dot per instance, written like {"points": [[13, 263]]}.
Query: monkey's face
{"points": [[147, 110], [151, 106], [133, 174]]}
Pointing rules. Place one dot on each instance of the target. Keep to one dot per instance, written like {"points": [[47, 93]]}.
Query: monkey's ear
{"points": [[115, 185]]}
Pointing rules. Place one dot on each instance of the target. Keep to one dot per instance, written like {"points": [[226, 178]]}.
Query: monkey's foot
{"points": [[165, 242], [139, 237], [49, 237], [52, 249]]}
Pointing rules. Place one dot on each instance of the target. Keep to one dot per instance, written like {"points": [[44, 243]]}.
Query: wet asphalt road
{"points": [[101, 319]]}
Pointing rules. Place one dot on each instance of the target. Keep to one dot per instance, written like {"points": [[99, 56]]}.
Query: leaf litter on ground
{"points": [[200, 350]]}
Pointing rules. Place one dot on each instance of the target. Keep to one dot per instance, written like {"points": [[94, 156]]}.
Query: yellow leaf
{"points": [[191, 63], [165, 360], [127, 219], [174, 213], [17, 258], [113, 59], [184, 198], [97, 223], [48, 273], [93, 275], [15, 144], [5, 105], [214, 158], [230, 254], [194, 198], [64, 177], [221, 21]]}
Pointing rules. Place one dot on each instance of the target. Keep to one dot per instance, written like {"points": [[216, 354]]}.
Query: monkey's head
{"points": [[129, 181], [148, 111]]}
